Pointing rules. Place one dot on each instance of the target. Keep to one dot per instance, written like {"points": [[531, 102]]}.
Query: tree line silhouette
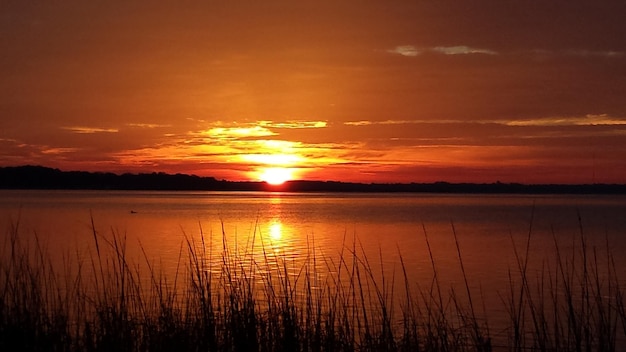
{"points": [[39, 177]]}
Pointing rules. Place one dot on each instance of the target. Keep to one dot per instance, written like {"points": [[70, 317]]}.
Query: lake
{"points": [[383, 228]]}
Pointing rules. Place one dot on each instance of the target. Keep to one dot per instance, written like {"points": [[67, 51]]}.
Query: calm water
{"points": [[380, 225]]}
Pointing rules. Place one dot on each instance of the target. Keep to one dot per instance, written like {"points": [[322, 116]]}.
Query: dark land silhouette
{"points": [[39, 177]]}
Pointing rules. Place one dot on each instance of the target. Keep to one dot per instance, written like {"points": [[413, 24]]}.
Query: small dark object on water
{"points": [[133, 212]]}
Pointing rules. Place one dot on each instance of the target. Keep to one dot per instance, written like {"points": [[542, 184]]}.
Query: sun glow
{"points": [[273, 159], [276, 175]]}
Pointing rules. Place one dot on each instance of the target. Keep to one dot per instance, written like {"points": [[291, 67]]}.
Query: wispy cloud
{"points": [[294, 124], [594, 53], [57, 151], [588, 120], [405, 50], [89, 130], [273, 159], [238, 132], [582, 53], [407, 122], [146, 125], [412, 51], [462, 50], [359, 123]]}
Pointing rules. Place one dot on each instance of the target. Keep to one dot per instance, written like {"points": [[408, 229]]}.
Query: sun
{"points": [[276, 175]]}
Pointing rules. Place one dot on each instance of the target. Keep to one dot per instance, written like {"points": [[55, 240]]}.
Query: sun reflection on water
{"points": [[275, 230]]}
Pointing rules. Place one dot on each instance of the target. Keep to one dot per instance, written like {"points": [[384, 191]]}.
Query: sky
{"points": [[356, 91]]}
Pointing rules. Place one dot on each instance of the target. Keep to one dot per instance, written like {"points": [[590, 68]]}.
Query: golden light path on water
{"points": [[277, 233], [275, 230]]}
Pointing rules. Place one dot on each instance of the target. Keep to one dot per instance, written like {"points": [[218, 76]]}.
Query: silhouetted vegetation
{"points": [[38, 177], [104, 301]]}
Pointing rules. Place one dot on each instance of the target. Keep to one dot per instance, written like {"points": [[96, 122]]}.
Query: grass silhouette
{"points": [[251, 299]]}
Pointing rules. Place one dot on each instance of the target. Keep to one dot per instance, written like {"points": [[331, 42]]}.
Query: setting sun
{"points": [[276, 175]]}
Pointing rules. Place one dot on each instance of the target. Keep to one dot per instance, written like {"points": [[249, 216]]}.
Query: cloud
{"points": [[588, 120], [234, 153], [575, 53], [294, 124], [262, 128], [57, 151], [405, 50], [594, 53], [359, 123], [238, 132], [89, 130], [272, 159], [407, 122], [146, 125], [462, 50], [412, 51]]}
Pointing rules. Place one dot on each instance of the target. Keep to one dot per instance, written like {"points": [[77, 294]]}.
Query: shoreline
{"points": [[43, 178]]}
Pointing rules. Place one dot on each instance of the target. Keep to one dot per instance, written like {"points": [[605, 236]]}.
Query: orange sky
{"points": [[367, 91]]}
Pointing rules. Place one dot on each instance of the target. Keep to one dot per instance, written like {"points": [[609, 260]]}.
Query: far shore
{"points": [[39, 177]]}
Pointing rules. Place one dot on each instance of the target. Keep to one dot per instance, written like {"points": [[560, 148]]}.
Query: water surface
{"points": [[380, 227]]}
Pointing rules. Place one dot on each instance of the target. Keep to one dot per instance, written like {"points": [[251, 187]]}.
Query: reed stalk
{"points": [[247, 298]]}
